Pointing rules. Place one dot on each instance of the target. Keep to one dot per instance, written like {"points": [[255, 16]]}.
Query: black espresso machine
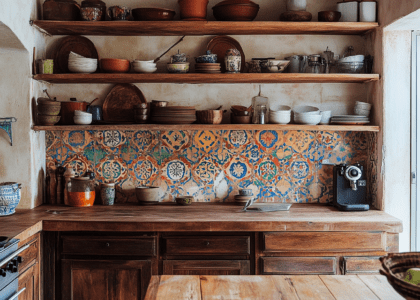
{"points": [[350, 188]]}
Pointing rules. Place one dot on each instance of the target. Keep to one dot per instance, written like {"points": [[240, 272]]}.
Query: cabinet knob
{"points": [[107, 244], [3, 273]]}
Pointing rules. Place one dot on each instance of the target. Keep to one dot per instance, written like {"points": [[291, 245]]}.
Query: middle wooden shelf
{"points": [[207, 78]]}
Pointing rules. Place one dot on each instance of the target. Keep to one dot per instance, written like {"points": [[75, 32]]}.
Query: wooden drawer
{"points": [[214, 245], [324, 241], [29, 255], [206, 267], [100, 245], [298, 265], [361, 265]]}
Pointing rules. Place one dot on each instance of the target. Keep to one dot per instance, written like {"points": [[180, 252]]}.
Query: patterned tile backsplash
{"points": [[279, 166]]}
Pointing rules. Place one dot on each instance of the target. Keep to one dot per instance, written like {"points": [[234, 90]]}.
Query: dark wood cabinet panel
{"points": [[29, 280], [324, 241], [206, 267], [111, 245], [299, 265], [29, 256], [361, 265], [214, 245], [105, 279]]}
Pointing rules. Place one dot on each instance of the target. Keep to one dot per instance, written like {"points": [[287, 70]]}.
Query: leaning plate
{"points": [[350, 122], [220, 44]]}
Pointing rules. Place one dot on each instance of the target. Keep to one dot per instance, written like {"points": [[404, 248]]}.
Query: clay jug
{"points": [[194, 10]]}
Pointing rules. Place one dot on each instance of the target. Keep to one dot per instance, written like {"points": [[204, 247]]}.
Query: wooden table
{"points": [[323, 287]]}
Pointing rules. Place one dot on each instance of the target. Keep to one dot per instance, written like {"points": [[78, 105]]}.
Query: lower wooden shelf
{"points": [[210, 127]]}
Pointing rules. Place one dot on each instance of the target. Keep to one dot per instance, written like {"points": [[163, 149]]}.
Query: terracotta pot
{"points": [[194, 10], [67, 111], [111, 65]]}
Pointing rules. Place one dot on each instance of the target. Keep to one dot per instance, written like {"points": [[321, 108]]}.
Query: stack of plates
{"points": [[209, 68], [173, 115], [349, 120], [241, 200], [80, 64]]}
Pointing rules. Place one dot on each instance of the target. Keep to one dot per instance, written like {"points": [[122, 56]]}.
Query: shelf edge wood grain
{"points": [[207, 78], [192, 127], [175, 28]]}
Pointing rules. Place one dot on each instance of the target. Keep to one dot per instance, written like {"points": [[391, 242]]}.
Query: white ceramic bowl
{"points": [[144, 67], [83, 120], [81, 113], [363, 105], [362, 112], [353, 58], [144, 62], [281, 109], [325, 117], [277, 66], [308, 119], [83, 68], [280, 118], [306, 110]]}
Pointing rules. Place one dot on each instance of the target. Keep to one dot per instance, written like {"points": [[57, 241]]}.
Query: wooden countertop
{"points": [[322, 287], [197, 217]]}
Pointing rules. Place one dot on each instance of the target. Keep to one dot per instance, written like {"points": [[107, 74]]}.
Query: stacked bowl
{"points": [[48, 111], [81, 64], [351, 64], [308, 115], [280, 115], [362, 108], [244, 196], [82, 117], [144, 66], [236, 10]]}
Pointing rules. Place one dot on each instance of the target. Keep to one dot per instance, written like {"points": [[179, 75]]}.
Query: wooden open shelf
{"points": [[210, 127], [207, 78], [168, 28]]}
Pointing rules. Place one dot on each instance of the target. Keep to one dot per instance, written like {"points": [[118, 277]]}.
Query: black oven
{"points": [[9, 268]]}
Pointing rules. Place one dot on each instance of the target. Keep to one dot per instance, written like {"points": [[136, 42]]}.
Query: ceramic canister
{"points": [[294, 63], [45, 66], [9, 197], [367, 11], [296, 5], [107, 193], [233, 61], [348, 11]]}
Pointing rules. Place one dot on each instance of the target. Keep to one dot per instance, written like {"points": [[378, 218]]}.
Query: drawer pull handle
{"points": [[11, 256], [107, 244], [15, 296], [207, 243]]}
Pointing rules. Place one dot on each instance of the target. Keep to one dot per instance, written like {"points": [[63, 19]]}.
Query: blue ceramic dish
{"points": [[9, 197], [207, 59]]}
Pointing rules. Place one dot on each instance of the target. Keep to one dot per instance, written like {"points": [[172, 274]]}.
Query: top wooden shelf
{"points": [[175, 28]]}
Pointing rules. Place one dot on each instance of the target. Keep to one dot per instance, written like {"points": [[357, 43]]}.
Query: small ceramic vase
{"points": [[119, 13], [107, 193], [233, 61], [179, 58]]}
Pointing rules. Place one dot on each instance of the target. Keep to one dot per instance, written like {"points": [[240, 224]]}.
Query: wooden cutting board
{"points": [[120, 102]]}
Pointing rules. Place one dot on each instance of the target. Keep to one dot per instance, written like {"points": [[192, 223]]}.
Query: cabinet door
{"points": [[362, 265], [206, 267], [30, 281], [299, 265], [105, 279]]}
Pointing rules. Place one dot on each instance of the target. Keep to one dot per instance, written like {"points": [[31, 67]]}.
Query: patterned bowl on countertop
{"points": [[9, 197], [184, 200]]}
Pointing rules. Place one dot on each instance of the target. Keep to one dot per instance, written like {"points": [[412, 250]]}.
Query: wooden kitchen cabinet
{"points": [[299, 265], [29, 280], [105, 279], [206, 267]]}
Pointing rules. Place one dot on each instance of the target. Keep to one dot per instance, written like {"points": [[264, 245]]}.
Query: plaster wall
{"points": [[25, 161]]}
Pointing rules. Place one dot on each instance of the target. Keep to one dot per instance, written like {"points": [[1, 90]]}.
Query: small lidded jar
{"points": [[233, 61], [107, 193], [93, 10], [81, 192]]}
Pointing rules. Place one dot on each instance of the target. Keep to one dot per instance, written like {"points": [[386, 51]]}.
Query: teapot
{"points": [[179, 58]]}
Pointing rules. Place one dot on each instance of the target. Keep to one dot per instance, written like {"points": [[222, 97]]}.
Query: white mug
{"points": [[367, 11], [348, 11]]}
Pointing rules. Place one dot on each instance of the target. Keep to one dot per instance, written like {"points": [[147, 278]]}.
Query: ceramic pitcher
{"points": [[233, 61]]}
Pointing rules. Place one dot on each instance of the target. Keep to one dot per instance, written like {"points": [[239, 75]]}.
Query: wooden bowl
{"points": [[240, 119], [153, 14], [209, 116], [112, 65], [48, 120], [329, 16], [236, 12], [49, 110], [184, 200], [296, 16]]}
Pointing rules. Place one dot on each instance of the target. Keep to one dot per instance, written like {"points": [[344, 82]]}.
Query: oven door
{"points": [[10, 292]]}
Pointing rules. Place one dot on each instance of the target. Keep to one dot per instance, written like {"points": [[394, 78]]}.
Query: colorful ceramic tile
{"points": [[205, 170], [238, 169], [268, 139], [78, 140], [111, 140], [79, 164], [144, 140], [52, 140], [206, 140], [175, 139], [357, 140], [237, 140], [176, 170], [111, 169], [144, 170]]}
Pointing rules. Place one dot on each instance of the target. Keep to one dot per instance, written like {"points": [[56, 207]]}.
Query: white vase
{"points": [[367, 11], [296, 5]]}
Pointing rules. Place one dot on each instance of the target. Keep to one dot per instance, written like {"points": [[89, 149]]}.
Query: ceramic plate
{"points": [[350, 122], [220, 44]]}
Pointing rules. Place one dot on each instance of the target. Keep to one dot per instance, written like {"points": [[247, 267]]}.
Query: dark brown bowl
{"points": [[48, 120], [329, 16], [236, 12], [240, 119], [153, 14], [49, 110]]}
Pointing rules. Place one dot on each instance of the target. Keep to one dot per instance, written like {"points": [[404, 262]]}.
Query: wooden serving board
{"points": [[120, 102]]}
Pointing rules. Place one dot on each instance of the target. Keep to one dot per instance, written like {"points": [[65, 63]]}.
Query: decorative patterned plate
{"points": [[120, 102], [75, 43], [220, 44]]}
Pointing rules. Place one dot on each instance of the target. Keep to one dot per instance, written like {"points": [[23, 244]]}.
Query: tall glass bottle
{"points": [[258, 102]]}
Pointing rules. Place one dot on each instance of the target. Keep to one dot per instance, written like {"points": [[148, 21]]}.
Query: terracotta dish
{"points": [[193, 10], [153, 14], [296, 16], [220, 44], [76, 44], [112, 65], [329, 16], [231, 11], [119, 104]]}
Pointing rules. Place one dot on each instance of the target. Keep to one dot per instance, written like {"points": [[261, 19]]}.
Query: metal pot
{"points": [[68, 108], [9, 197]]}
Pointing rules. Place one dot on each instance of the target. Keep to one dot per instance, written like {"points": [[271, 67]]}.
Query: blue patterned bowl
{"points": [[9, 197]]}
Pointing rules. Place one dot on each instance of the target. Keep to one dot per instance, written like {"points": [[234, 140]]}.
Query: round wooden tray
{"points": [[220, 44]]}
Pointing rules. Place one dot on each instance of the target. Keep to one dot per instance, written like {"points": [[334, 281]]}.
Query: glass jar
{"points": [[314, 64], [81, 192], [257, 103]]}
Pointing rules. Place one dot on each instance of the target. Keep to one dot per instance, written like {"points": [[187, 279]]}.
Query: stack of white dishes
{"points": [[362, 108], [349, 120], [308, 115], [280, 115], [144, 66], [80, 64], [82, 117]]}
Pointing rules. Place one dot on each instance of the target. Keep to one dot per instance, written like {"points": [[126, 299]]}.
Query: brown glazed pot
{"points": [[194, 10], [61, 10], [67, 111]]}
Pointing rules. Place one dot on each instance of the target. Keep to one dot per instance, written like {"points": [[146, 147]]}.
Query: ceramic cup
{"points": [[348, 11], [107, 193], [119, 13], [367, 11]]}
